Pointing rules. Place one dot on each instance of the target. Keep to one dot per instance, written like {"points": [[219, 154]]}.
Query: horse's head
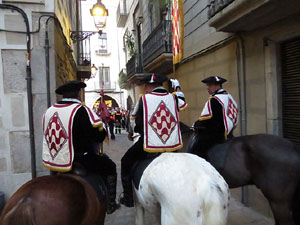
{"points": [[186, 133], [193, 139]]}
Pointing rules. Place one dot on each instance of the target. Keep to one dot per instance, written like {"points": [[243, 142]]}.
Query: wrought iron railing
{"points": [[133, 66], [214, 6], [85, 53], [109, 85], [158, 42]]}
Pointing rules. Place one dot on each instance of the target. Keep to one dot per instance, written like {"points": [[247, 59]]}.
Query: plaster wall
{"points": [[262, 76]]}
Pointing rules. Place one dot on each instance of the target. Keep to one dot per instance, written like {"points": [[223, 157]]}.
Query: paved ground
{"points": [[238, 214]]}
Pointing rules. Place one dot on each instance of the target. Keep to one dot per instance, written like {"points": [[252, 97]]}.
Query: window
{"points": [[102, 43], [104, 77]]}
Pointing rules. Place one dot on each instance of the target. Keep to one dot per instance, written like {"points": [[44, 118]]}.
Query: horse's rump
{"points": [[51, 200], [186, 188]]}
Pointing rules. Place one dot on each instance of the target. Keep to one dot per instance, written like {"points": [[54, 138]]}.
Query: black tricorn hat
{"points": [[214, 80], [154, 79], [73, 85]]}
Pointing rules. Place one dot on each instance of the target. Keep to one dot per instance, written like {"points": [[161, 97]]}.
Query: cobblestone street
{"points": [[238, 214]]}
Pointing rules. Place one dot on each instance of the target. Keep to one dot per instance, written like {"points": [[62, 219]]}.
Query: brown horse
{"points": [[54, 200], [270, 162]]}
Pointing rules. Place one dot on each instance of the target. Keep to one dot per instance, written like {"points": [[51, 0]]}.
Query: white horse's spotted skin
{"points": [[182, 189]]}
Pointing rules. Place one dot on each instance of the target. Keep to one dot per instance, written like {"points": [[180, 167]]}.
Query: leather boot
{"points": [[127, 198], [112, 205]]}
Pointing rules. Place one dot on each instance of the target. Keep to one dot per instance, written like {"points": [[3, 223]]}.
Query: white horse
{"points": [[182, 189]]}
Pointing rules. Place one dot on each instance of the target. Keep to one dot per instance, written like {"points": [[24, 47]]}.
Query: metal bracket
{"points": [[82, 35]]}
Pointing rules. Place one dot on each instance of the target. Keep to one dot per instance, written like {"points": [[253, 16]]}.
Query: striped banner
{"points": [[178, 30]]}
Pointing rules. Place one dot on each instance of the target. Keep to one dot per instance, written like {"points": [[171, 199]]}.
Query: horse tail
{"points": [[21, 213]]}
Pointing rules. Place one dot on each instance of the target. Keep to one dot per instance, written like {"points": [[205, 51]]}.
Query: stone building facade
{"points": [[15, 151], [253, 44]]}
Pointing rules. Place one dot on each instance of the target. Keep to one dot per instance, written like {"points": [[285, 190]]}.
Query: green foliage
{"points": [[130, 44], [163, 3], [123, 83]]}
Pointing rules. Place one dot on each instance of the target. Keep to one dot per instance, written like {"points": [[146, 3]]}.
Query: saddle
{"points": [[97, 182], [139, 168]]}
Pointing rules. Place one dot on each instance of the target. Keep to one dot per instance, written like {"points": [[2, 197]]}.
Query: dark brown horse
{"points": [[270, 162], [54, 200]]}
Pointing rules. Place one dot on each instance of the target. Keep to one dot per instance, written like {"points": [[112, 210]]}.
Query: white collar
{"points": [[159, 87], [71, 100]]}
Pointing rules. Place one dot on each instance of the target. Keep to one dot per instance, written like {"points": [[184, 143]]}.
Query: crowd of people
{"points": [[115, 118], [118, 120]]}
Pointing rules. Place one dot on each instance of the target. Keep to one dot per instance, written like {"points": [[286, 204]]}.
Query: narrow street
{"points": [[238, 214]]}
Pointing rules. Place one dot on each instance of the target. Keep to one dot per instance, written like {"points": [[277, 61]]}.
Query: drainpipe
{"points": [[240, 55], [47, 47], [77, 31], [29, 85]]}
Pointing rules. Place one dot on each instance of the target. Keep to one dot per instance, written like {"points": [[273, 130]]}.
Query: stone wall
{"points": [[15, 157]]}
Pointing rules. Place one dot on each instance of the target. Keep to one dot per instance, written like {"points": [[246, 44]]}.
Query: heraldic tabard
{"points": [[58, 152], [161, 123]]}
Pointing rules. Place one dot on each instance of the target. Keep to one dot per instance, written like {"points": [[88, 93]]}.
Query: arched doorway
{"points": [[110, 102]]}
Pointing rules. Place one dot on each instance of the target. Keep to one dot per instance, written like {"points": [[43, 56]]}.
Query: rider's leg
{"points": [[109, 169], [104, 166], [133, 154], [112, 205]]}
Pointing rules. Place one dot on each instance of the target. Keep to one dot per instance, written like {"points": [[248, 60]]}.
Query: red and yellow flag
{"points": [[178, 30]]}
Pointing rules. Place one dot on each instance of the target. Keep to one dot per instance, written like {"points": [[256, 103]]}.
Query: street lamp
{"points": [[100, 13], [94, 70]]}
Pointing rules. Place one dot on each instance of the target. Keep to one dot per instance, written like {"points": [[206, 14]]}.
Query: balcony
{"points": [[157, 49], [109, 86], [238, 15], [123, 81], [84, 61], [122, 14], [134, 70]]}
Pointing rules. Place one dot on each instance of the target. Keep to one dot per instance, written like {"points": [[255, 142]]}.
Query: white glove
{"points": [[175, 83]]}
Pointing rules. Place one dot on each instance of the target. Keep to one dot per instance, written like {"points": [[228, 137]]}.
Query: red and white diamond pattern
{"points": [[162, 122], [232, 111], [55, 135]]}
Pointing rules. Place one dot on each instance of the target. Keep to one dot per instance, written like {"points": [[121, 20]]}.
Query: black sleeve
{"points": [[215, 124], [84, 134], [177, 105], [139, 119]]}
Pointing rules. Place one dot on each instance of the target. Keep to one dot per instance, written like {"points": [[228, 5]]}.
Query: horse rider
{"points": [[71, 131], [218, 118], [157, 122]]}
